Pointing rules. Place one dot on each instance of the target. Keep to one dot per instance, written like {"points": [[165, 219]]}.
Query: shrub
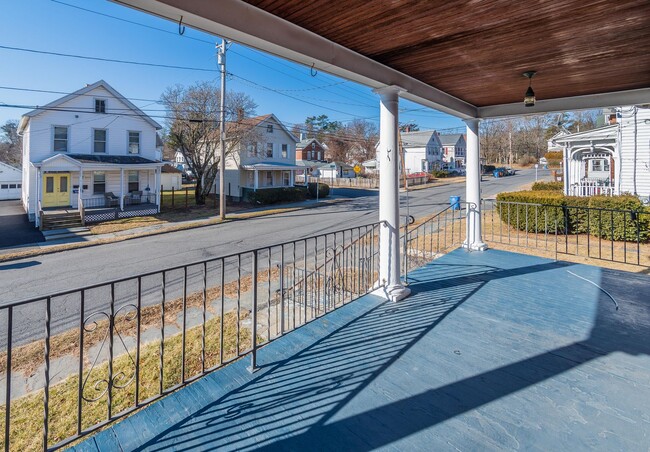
{"points": [[323, 190], [618, 217], [548, 186], [527, 159], [275, 195], [441, 174], [554, 158]]}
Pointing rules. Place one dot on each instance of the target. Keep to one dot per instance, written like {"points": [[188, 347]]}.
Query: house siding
{"points": [[81, 121], [642, 139]]}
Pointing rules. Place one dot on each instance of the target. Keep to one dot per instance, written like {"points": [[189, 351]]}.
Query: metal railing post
{"points": [[253, 367]]}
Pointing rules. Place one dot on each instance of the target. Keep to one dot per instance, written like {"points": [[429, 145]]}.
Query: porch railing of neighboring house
{"points": [[98, 209], [592, 187], [615, 235], [121, 344]]}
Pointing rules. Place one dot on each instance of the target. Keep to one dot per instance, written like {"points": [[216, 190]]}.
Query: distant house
{"points": [[371, 166], [454, 150], [171, 177], [422, 151], [310, 149], [92, 149], [609, 160], [181, 164], [329, 170], [10, 182], [267, 160]]}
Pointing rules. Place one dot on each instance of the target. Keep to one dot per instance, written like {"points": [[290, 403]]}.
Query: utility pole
{"points": [[221, 55]]}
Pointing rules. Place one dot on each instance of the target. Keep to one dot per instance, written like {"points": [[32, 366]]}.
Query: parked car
{"points": [[503, 172]]}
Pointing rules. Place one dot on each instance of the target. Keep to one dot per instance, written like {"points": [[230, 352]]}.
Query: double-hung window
{"points": [[99, 182], [269, 150], [100, 106], [134, 182], [99, 141], [60, 139], [134, 142], [285, 151], [286, 178], [269, 128], [269, 178]]}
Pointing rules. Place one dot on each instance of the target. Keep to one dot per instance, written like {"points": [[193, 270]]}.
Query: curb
{"points": [[112, 238]]}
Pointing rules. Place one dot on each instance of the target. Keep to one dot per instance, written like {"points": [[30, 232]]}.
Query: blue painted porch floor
{"points": [[492, 351]]}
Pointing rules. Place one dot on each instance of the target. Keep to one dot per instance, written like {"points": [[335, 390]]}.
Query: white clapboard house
{"points": [[422, 151], [265, 159], [610, 160], [454, 147], [89, 156]]}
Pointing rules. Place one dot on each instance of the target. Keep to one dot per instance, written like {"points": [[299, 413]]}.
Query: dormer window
{"points": [[100, 106], [269, 128]]}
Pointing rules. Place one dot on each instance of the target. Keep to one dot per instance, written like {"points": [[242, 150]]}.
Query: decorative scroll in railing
{"points": [[615, 235], [88, 356]]}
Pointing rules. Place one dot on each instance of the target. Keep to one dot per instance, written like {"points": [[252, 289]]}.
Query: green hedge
{"points": [[622, 218], [274, 195], [441, 174], [323, 190], [548, 186]]}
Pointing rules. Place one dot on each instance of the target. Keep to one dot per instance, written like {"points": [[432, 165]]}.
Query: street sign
{"points": [[357, 168]]}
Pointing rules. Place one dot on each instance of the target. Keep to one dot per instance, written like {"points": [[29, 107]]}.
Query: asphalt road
{"points": [[59, 272]]}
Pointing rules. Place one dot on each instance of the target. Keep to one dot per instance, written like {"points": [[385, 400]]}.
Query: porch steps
{"points": [[65, 233], [61, 220]]}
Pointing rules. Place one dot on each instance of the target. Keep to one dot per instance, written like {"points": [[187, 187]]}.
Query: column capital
{"points": [[388, 90], [470, 121]]}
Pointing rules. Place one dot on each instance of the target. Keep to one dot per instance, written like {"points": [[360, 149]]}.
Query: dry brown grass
{"points": [[27, 412]]}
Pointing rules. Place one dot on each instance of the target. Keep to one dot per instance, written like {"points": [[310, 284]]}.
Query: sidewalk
{"points": [[40, 248]]}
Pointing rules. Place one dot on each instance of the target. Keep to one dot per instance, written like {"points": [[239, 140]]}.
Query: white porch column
{"points": [[158, 187], [255, 181], [39, 188], [121, 188], [389, 246], [473, 240], [292, 177], [565, 170], [81, 185]]}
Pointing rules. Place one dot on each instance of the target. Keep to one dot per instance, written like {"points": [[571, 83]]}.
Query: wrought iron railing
{"points": [[133, 199], [94, 354], [614, 235], [428, 238]]}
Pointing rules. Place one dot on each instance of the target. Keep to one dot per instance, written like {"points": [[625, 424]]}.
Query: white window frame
{"points": [[93, 184], [269, 128], [128, 142], [285, 151], [105, 141], [269, 147], [98, 99], [128, 181], [286, 178], [269, 179], [67, 138]]}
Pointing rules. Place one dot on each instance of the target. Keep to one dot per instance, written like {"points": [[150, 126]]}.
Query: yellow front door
{"points": [[56, 189]]}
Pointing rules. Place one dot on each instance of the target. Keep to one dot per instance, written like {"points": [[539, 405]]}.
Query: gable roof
{"points": [[249, 123], [7, 167], [304, 143], [607, 132], [451, 139], [81, 92], [417, 139]]}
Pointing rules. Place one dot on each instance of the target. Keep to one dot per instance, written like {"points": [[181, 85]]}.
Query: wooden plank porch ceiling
{"points": [[478, 50]]}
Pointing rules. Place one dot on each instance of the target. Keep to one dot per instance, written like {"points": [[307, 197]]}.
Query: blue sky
{"points": [[54, 26]]}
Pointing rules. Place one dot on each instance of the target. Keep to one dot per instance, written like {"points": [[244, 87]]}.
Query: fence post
{"points": [[253, 367], [172, 196], [161, 197], [186, 197]]}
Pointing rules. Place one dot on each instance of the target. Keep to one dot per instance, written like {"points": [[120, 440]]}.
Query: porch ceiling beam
{"points": [[243, 23], [613, 99]]}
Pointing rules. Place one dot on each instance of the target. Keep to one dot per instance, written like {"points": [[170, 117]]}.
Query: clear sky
{"points": [[85, 28]]}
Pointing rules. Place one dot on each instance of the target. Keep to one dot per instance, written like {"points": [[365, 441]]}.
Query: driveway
{"points": [[15, 228]]}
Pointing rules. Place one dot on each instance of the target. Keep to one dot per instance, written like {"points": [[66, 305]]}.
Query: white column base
{"points": [[477, 246], [392, 293]]}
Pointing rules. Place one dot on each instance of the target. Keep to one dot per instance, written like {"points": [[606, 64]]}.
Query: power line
{"points": [[338, 82]]}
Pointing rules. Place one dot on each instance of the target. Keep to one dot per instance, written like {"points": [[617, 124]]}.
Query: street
{"points": [[51, 273]]}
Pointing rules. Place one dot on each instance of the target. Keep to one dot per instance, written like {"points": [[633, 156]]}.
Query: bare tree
{"points": [[365, 135], [193, 128], [11, 144]]}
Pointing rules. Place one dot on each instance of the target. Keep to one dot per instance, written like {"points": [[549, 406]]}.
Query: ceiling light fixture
{"points": [[529, 98]]}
